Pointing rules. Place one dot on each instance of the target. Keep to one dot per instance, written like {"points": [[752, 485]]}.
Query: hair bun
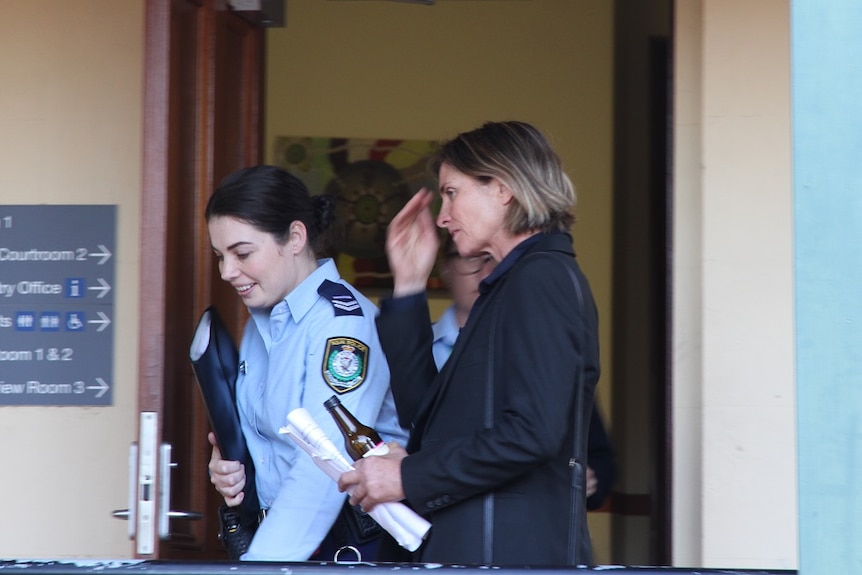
{"points": [[324, 211]]}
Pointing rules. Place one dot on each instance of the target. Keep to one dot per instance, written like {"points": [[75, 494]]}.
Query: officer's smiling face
{"points": [[260, 270]]}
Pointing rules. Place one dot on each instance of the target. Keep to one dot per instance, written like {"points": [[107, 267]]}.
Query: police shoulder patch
{"points": [[345, 363], [341, 298]]}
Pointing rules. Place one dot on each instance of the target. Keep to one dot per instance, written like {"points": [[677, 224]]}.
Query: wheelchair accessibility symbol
{"points": [[75, 321]]}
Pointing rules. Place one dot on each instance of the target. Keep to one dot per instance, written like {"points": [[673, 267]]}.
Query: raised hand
{"points": [[411, 244]]}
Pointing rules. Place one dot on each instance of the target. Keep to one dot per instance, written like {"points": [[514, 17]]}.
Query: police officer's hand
{"points": [[227, 476], [375, 479]]}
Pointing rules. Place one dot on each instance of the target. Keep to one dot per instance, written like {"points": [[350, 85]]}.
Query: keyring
{"points": [[350, 548]]}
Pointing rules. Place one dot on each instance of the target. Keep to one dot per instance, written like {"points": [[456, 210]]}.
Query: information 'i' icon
{"points": [[75, 287]]}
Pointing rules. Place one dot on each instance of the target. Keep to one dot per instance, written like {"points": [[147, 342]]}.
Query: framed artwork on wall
{"points": [[371, 180]]}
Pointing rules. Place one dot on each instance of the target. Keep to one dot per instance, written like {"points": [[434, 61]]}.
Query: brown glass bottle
{"points": [[359, 439]]}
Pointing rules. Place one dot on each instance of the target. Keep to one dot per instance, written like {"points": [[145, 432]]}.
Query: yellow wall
{"points": [[400, 70], [70, 133]]}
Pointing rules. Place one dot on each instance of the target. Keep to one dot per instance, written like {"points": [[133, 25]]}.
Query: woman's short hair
{"points": [[518, 155], [270, 199]]}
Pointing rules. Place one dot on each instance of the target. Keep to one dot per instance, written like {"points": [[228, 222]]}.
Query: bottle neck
{"points": [[344, 418]]}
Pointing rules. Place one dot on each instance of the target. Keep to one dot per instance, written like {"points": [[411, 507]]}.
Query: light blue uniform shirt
{"points": [[445, 332], [284, 355]]}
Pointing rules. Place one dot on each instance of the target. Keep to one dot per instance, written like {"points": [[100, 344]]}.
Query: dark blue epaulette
{"points": [[342, 300]]}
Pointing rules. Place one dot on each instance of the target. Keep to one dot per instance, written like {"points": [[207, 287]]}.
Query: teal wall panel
{"points": [[826, 50]]}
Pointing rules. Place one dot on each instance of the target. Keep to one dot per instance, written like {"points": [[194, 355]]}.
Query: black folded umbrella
{"points": [[215, 361]]}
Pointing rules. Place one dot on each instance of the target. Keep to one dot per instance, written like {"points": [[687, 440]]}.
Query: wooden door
{"points": [[203, 115]]}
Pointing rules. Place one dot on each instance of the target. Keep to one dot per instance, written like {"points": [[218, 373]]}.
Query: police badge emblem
{"points": [[345, 363]]}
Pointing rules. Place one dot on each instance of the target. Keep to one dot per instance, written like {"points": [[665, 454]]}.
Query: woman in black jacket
{"points": [[497, 454]]}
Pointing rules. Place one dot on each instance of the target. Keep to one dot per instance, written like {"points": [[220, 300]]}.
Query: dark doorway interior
{"points": [[641, 525]]}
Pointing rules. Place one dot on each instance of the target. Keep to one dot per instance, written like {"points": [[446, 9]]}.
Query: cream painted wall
{"points": [[735, 462], [399, 70], [70, 133]]}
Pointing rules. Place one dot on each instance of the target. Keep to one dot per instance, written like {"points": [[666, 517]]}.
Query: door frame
{"points": [[241, 117]]}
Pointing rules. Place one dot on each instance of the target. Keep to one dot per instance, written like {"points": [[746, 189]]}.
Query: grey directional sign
{"points": [[57, 304]]}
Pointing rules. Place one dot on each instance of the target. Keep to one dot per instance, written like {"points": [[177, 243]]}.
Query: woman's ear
{"points": [[297, 237], [505, 194]]}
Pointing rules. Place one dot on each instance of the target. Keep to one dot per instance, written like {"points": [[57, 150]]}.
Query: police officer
{"points": [[310, 336]]}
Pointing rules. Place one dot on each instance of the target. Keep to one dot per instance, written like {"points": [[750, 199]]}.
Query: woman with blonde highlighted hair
{"points": [[497, 454]]}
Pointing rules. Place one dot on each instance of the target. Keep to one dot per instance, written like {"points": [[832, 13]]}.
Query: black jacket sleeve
{"points": [[404, 328]]}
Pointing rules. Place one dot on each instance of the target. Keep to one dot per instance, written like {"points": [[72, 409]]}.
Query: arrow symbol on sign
{"points": [[103, 321], [103, 289], [105, 254], [102, 387]]}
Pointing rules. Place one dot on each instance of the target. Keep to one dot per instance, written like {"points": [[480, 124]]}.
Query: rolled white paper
{"points": [[406, 526]]}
